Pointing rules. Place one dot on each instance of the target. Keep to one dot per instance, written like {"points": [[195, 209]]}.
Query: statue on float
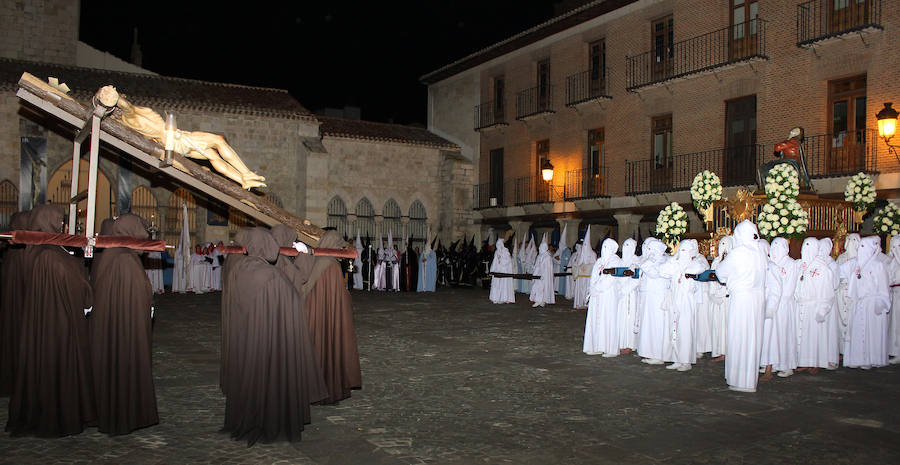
{"points": [[789, 151]]}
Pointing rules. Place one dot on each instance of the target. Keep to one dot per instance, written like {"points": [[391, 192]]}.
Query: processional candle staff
{"points": [[170, 134]]}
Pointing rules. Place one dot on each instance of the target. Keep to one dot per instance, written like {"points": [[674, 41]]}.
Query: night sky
{"points": [[327, 54]]}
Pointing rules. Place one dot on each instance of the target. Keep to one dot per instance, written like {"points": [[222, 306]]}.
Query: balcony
{"points": [[487, 195], [843, 155], [585, 184], [723, 47], [534, 101], [818, 20], [734, 166], [586, 86], [490, 114]]}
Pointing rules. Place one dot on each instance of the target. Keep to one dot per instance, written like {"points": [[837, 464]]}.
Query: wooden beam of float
{"points": [[46, 98]]}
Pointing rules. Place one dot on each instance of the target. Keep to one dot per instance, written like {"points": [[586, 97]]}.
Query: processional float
{"points": [[142, 134]]}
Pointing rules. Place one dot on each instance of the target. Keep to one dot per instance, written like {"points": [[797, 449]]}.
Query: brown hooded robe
{"points": [[12, 296], [270, 365], [227, 298], [53, 391], [329, 310], [121, 336]]}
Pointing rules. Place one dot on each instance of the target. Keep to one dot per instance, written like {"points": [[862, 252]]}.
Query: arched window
{"points": [[175, 216], [392, 222], [365, 220], [337, 216], [9, 203], [418, 225], [59, 190], [144, 204]]}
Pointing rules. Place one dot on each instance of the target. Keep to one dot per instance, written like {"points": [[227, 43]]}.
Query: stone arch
{"points": [[392, 222], [365, 219], [145, 205], [337, 215], [418, 224], [175, 216], [59, 191]]}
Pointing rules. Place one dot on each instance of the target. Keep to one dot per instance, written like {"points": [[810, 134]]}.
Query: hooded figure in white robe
{"points": [[181, 275], [702, 319], [357, 262], [380, 267], [521, 257], [502, 288], [562, 256], [542, 289], [573, 272], [586, 259], [601, 327], [779, 332], [869, 290], [894, 327], [744, 273], [680, 306], [627, 289], [832, 318], [393, 262], [815, 299], [654, 322], [200, 271], [531, 255], [851, 245], [718, 301]]}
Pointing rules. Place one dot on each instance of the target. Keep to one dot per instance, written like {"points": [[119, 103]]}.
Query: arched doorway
{"points": [[59, 190], [144, 204], [175, 215]]}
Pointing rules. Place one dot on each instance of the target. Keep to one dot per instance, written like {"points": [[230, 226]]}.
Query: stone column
{"points": [[628, 225], [570, 225]]}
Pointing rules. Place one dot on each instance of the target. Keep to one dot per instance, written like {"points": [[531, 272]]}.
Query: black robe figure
{"points": [[271, 366], [53, 394], [409, 274], [368, 265], [121, 335]]}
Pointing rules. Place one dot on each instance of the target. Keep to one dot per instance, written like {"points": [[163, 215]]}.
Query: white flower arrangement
{"points": [[782, 215], [887, 220], [785, 219], [782, 182], [860, 191], [671, 223], [706, 189]]}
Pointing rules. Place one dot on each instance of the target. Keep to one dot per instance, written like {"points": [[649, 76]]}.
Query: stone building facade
{"points": [[272, 132], [628, 100]]}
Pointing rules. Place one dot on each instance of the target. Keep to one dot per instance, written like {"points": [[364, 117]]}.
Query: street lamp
{"points": [[887, 125], [547, 169]]}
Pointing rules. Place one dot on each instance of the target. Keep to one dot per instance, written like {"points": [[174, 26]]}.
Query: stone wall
{"points": [[39, 30]]}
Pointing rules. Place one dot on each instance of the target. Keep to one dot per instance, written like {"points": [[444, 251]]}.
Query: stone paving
{"points": [[450, 378]]}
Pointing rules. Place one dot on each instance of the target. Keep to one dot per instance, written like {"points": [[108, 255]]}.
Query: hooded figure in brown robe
{"points": [[12, 295], [270, 365], [227, 298], [121, 335], [297, 270], [329, 310], [53, 394]]}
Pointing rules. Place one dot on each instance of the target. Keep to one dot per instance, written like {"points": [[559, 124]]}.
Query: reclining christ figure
{"points": [[191, 144]]}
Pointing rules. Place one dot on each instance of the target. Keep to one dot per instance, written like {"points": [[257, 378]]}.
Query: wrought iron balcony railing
{"points": [[734, 166], [534, 101], [845, 154], [586, 86], [586, 184], [487, 195], [732, 44], [489, 114], [821, 19]]}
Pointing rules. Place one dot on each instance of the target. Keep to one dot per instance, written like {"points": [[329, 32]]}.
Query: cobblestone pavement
{"points": [[450, 378]]}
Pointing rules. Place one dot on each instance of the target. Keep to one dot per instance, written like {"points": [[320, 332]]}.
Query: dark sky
{"points": [[327, 54]]}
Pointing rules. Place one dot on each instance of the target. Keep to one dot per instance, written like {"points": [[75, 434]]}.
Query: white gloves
{"points": [[301, 247], [152, 311], [88, 310]]}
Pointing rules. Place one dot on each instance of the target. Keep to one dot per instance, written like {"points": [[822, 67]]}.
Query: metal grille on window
{"points": [[144, 204], [237, 220], [337, 216], [175, 216], [9, 203], [418, 225], [365, 221], [392, 222]]}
